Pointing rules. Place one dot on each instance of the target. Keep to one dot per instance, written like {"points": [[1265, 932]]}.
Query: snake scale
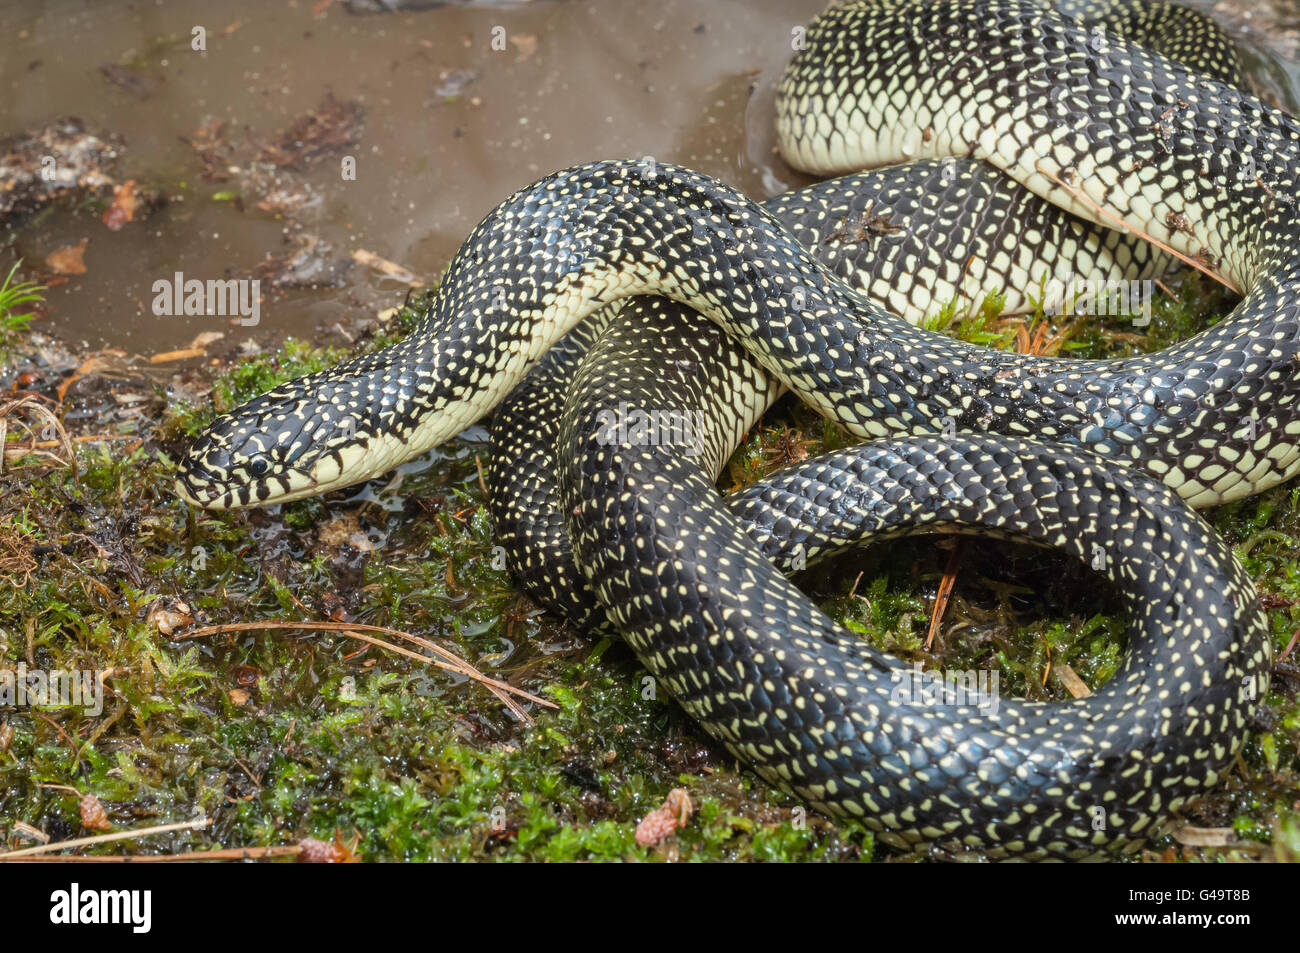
{"points": [[1016, 130]]}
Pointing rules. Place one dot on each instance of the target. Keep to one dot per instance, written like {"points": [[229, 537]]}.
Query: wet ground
{"points": [[230, 162], [458, 107], [462, 105]]}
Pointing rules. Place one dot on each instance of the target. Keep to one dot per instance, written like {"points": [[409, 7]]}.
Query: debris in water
{"points": [[36, 167], [389, 268], [123, 77], [308, 264], [68, 260], [330, 126], [126, 200]]}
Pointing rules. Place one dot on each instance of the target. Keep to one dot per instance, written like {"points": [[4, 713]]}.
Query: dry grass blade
{"points": [[1072, 682], [495, 689], [1123, 226], [188, 857], [447, 660], [41, 426], [944, 595], [104, 838]]}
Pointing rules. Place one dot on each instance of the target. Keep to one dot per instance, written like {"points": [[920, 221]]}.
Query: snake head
{"points": [[263, 453], [308, 436], [323, 432]]}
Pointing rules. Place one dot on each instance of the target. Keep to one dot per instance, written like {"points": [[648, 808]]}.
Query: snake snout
{"points": [[204, 476], [233, 464]]}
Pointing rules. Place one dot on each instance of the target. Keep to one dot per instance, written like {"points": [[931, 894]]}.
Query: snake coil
{"points": [[813, 292]]}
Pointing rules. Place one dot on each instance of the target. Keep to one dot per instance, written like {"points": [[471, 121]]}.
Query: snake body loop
{"points": [[846, 728], [801, 294]]}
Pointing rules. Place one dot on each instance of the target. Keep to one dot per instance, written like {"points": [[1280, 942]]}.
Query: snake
{"points": [[642, 285]]}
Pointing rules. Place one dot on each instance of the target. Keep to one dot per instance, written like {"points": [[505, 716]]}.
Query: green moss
{"points": [[279, 736]]}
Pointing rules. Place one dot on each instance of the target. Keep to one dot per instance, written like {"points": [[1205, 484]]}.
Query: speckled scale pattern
{"points": [[1109, 131], [560, 249], [937, 212], [813, 708]]}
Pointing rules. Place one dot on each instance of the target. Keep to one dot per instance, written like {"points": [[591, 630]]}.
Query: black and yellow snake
{"points": [[610, 520]]}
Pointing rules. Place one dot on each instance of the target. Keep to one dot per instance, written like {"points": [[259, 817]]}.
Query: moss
{"points": [[279, 736]]}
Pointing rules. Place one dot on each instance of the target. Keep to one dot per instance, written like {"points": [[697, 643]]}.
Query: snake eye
{"points": [[258, 467]]}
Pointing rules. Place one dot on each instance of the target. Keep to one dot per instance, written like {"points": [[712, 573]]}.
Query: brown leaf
{"points": [[246, 675], [168, 621], [386, 267], [184, 354], [1206, 836], [126, 199], [526, 44], [93, 816], [312, 851], [664, 820], [68, 260]]}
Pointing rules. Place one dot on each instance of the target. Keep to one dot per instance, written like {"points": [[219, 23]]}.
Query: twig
{"points": [[105, 838], [505, 699], [1077, 195], [1289, 646], [944, 594], [190, 856], [448, 660]]}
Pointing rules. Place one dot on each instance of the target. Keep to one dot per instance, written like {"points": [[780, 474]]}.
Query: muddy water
{"points": [[452, 126]]}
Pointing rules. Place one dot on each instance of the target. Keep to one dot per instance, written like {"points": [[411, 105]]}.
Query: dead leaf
{"points": [[1071, 680], [312, 851], [391, 269], [334, 124], [93, 816], [181, 355], [342, 530], [1206, 836], [664, 820], [526, 44], [206, 338], [88, 366], [68, 260], [126, 199], [168, 621]]}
